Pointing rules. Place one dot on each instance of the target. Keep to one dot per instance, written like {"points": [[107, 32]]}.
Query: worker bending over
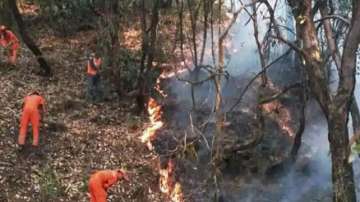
{"points": [[33, 104], [10, 42], [101, 180]]}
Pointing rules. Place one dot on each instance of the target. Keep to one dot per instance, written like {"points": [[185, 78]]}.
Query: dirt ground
{"points": [[76, 137]]}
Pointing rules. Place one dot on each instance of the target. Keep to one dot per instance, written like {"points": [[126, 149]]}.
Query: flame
{"points": [[168, 184], [284, 119], [167, 75], [176, 194], [155, 115], [167, 181], [158, 88]]}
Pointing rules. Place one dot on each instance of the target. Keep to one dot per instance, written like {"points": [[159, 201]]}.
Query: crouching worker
{"points": [[10, 42], [33, 105], [101, 180], [93, 77]]}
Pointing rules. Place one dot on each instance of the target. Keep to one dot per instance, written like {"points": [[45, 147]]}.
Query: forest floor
{"points": [[76, 137]]}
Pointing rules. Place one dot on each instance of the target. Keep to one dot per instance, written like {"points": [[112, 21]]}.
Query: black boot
{"points": [[21, 149], [36, 150]]}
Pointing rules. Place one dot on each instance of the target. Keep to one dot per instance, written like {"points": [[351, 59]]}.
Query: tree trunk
{"points": [[218, 99], [354, 109], [298, 137], [259, 46], [342, 173], [27, 39], [337, 109], [343, 181], [148, 53], [140, 98]]}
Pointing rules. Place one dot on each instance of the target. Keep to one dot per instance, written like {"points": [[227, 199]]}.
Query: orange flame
{"points": [[168, 184], [155, 115], [165, 180], [158, 88], [284, 120], [167, 75]]}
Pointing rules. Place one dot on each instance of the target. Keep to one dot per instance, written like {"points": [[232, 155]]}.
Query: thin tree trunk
{"points": [[258, 43], [342, 173], [298, 136], [193, 21], [148, 53], [206, 16], [27, 39], [140, 98], [354, 109]]}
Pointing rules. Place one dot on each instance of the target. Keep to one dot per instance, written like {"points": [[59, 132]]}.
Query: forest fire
{"points": [[284, 120], [158, 88], [155, 113], [167, 182]]}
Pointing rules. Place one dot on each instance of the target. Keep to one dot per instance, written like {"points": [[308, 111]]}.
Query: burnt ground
{"points": [[76, 137], [242, 170]]}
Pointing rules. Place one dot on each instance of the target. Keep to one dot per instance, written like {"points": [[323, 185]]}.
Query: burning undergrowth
{"points": [[255, 136], [167, 164]]}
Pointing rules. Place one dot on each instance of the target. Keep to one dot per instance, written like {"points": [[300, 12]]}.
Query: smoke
{"points": [[310, 178]]}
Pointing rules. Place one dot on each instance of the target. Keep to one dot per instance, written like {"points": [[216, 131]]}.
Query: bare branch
{"points": [[255, 77], [281, 93], [339, 17]]}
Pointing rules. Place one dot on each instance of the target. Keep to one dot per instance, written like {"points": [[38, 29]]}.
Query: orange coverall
{"points": [[100, 182], [8, 38], [90, 70], [31, 113]]}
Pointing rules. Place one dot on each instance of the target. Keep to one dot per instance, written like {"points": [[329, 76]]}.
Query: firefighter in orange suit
{"points": [[101, 180], [93, 77], [10, 42], [33, 104]]}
